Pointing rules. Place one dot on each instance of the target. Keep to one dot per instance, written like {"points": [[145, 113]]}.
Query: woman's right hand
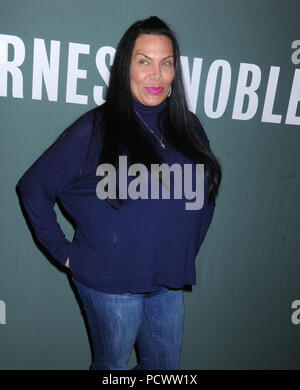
{"points": [[67, 263]]}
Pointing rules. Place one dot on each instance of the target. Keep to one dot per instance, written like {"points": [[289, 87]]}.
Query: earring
{"points": [[170, 91]]}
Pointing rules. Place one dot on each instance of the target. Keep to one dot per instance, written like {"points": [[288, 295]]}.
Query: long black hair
{"points": [[118, 126]]}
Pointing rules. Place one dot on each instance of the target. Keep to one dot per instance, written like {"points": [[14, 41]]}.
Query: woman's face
{"points": [[151, 69]]}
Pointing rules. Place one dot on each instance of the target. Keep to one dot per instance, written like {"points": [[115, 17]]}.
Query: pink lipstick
{"points": [[154, 90]]}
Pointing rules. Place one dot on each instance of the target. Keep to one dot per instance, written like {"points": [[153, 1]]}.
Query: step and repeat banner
{"points": [[241, 67]]}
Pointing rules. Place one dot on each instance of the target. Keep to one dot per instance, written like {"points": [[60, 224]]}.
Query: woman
{"points": [[131, 256]]}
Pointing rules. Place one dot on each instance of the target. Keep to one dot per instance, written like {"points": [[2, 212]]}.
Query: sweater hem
{"points": [[137, 283]]}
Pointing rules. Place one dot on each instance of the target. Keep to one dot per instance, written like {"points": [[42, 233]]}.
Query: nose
{"points": [[156, 72]]}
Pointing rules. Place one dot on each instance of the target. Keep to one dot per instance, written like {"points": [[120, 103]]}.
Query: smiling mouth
{"points": [[154, 90]]}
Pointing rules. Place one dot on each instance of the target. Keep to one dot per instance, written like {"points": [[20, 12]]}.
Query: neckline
{"points": [[148, 109]]}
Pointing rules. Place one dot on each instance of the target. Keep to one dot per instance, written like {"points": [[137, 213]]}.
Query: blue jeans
{"points": [[154, 321]]}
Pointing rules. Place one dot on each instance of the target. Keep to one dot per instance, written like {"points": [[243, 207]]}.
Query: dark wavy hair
{"points": [[116, 123]]}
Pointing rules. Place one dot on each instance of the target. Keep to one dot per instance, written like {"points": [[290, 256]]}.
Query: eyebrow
{"points": [[149, 58]]}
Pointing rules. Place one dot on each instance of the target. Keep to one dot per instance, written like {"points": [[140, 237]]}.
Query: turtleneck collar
{"points": [[148, 109]]}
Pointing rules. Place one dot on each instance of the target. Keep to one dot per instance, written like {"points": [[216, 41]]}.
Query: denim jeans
{"points": [[154, 321]]}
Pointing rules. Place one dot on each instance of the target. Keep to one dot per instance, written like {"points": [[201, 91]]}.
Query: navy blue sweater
{"points": [[143, 243]]}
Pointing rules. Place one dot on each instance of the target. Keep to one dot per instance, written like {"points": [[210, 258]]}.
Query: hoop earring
{"points": [[170, 91]]}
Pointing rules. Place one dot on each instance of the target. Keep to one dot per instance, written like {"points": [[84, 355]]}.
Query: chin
{"points": [[153, 100]]}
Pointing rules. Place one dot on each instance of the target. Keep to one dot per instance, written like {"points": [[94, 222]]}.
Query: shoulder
{"points": [[82, 127], [84, 121], [198, 126]]}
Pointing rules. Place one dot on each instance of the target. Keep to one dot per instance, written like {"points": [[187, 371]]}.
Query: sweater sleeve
{"points": [[210, 207], [47, 178], [209, 213]]}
